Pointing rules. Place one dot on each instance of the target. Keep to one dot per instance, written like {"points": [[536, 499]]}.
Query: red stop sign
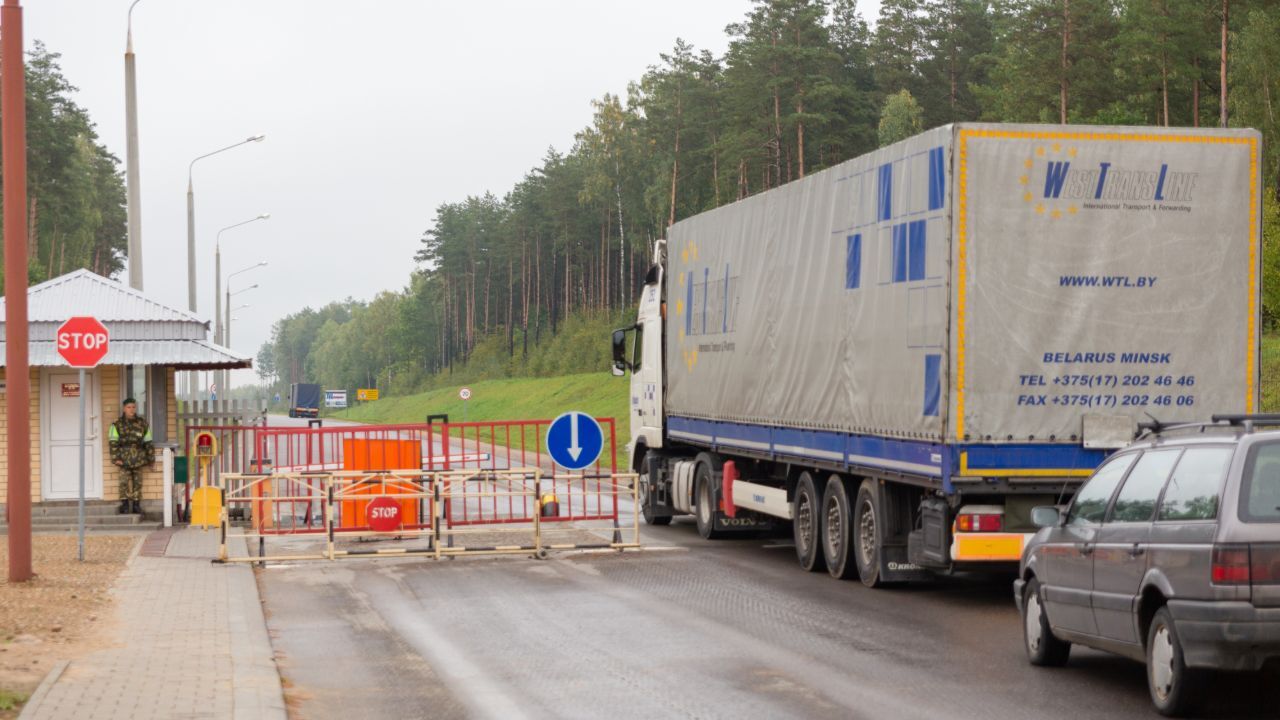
{"points": [[383, 514], [82, 341]]}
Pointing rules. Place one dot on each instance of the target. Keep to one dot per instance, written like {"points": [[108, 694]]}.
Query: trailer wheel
{"points": [[867, 534], [806, 523], [705, 512], [837, 515], [647, 511]]}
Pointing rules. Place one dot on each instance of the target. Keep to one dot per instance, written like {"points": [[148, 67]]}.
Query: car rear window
{"points": [[1260, 491], [1193, 490]]}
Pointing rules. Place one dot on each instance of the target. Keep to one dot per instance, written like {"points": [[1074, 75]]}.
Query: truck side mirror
{"points": [[620, 365], [651, 277]]}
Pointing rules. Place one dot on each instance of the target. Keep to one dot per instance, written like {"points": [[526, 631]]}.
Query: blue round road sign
{"points": [[575, 440]]}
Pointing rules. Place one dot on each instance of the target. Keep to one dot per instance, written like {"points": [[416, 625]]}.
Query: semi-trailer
{"points": [[901, 355], [304, 400]]}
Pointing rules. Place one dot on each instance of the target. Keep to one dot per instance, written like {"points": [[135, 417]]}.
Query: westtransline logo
{"points": [[1059, 183]]}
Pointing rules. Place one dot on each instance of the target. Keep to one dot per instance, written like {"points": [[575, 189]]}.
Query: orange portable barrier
{"points": [[378, 454]]}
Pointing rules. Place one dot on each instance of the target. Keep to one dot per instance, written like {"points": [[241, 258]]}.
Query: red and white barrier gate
{"points": [[440, 483]]}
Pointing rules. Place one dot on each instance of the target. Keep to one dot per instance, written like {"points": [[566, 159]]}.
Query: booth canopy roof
{"points": [[144, 331]]}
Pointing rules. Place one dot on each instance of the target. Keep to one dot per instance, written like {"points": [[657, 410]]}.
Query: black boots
{"points": [[124, 507], [135, 506]]}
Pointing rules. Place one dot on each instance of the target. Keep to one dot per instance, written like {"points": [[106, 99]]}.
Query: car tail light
{"points": [[1264, 564], [970, 522], [1231, 565]]}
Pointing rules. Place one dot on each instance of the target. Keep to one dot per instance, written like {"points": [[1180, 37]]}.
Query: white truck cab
{"points": [[645, 359]]}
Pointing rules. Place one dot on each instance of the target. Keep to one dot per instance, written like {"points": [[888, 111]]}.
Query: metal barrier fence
{"points": [[517, 503], [480, 446]]}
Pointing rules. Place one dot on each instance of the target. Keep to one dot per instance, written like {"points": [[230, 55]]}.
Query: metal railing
{"points": [[518, 506]]}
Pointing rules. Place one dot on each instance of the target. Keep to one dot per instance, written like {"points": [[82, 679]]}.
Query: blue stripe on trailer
{"points": [[915, 250], [923, 458], [932, 384], [885, 195], [937, 178], [688, 307], [920, 458], [724, 321], [853, 263], [1029, 459], [898, 237], [706, 288]]}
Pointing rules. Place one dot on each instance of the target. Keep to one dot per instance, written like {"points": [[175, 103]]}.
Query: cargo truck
{"points": [[903, 354], [304, 400]]}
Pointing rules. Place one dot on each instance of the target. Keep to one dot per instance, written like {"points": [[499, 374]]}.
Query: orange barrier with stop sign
{"points": [[379, 454]]}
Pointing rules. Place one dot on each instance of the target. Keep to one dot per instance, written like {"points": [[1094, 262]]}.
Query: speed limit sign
{"points": [[465, 393]]}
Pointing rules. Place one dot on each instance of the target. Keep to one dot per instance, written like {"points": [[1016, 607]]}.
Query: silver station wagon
{"points": [[1169, 554]]}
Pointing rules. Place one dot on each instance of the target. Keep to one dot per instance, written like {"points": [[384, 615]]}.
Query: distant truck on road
{"points": [[304, 400], [903, 354]]}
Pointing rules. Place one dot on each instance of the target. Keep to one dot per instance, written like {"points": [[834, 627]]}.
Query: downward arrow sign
{"points": [[574, 449]]}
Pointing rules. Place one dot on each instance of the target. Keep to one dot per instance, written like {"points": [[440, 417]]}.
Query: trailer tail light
{"points": [[970, 522], [1264, 564], [1231, 565]]}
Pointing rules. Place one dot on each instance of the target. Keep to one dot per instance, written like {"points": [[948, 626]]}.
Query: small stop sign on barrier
{"points": [[383, 514]]}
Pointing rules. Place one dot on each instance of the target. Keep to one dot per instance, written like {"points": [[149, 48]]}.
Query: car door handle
{"points": [[1085, 548], [1137, 551]]}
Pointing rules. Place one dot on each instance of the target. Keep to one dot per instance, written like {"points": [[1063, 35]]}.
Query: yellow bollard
{"points": [[550, 506]]}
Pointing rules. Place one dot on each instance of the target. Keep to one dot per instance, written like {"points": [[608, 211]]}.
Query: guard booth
{"points": [[150, 341]]}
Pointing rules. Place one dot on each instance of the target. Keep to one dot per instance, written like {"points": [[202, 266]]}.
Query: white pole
{"points": [[168, 487], [81, 446]]}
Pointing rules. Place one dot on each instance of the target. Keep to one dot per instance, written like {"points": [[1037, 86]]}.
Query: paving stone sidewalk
{"points": [[191, 642]]}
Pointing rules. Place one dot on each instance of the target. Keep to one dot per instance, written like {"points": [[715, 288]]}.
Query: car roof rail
{"points": [[1158, 428], [1249, 421]]}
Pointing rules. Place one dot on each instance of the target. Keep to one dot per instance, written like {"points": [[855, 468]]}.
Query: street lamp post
{"points": [[231, 317], [217, 289], [226, 329], [191, 219], [191, 233], [217, 274], [131, 158]]}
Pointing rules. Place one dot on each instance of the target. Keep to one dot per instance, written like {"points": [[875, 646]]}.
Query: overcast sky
{"points": [[375, 113]]}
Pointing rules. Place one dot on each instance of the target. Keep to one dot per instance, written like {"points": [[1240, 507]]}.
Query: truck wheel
{"points": [[1043, 647], [867, 532], [806, 524], [836, 517], [1174, 686], [647, 511], [705, 512]]}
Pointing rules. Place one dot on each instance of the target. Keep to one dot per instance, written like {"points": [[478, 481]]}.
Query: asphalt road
{"points": [[728, 629]]}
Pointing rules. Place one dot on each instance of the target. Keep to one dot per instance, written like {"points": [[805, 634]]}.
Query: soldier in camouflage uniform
{"points": [[131, 450]]}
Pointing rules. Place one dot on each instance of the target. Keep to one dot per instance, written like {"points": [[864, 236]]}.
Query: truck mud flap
{"points": [[929, 546], [896, 567]]}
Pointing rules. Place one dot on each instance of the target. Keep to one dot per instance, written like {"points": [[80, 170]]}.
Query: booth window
{"points": [[148, 384]]}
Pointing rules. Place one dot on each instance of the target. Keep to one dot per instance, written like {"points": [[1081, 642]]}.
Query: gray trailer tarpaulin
{"points": [[981, 283]]}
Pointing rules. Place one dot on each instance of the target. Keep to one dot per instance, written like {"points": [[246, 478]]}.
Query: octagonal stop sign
{"points": [[383, 514], [82, 341]]}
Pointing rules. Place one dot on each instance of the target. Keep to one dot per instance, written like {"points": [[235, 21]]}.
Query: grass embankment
{"points": [[599, 394], [1271, 373]]}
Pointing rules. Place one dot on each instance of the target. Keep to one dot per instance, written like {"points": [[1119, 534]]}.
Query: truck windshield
{"points": [[1260, 491]]}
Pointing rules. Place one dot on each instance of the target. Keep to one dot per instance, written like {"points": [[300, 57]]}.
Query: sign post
{"points": [[82, 342], [465, 394]]}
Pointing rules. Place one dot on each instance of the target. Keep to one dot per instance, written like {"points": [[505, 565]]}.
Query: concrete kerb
{"points": [[33, 702]]}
